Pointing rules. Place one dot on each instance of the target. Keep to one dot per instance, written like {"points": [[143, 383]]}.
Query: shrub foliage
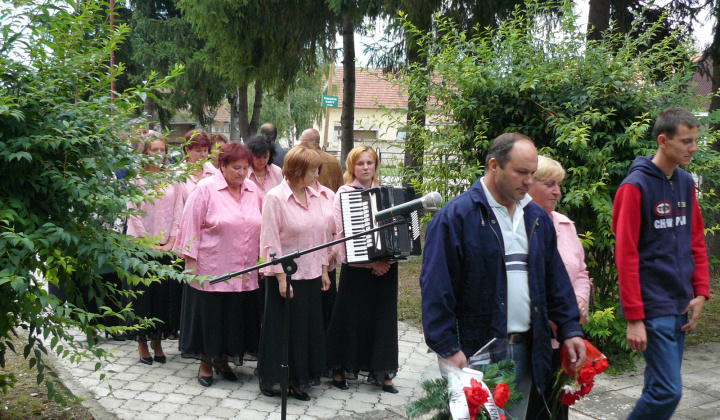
{"points": [[61, 140]]}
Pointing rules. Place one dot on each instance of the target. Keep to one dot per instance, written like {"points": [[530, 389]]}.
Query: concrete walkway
{"points": [[171, 392]]}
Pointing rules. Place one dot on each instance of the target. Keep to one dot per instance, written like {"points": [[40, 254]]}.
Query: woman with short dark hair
{"points": [[264, 173]]}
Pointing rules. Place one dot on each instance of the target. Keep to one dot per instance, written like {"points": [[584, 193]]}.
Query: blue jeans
{"points": [[663, 383], [521, 354]]}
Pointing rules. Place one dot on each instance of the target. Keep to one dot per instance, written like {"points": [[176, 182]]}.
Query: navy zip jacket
{"points": [[660, 242], [464, 282]]}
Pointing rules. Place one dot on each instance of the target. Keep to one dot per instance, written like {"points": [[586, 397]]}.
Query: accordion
{"points": [[358, 215]]}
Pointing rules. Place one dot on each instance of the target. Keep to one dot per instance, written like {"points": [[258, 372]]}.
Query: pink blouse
{"points": [[222, 233], [273, 178], [162, 214], [573, 255], [339, 222], [188, 186], [288, 226], [328, 199]]}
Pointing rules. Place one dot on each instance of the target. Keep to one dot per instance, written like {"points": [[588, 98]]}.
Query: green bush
{"points": [[61, 140], [589, 105]]}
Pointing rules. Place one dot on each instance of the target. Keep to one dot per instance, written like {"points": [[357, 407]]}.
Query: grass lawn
{"points": [[708, 329], [409, 292], [27, 399]]}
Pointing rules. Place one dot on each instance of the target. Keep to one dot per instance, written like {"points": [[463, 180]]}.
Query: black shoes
{"points": [[116, 337], [299, 395], [269, 392], [390, 388], [146, 360], [155, 345], [228, 375], [204, 380], [341, 384]]}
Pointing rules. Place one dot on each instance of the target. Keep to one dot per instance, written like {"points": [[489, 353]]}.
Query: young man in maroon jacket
{"points": [[661, 259]]}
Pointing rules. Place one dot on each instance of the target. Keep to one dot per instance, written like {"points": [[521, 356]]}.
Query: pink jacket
{"points": [[573, 255]]}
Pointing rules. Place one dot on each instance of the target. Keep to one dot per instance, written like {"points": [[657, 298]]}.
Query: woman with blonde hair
{"points": [[363, 334], [290, 223], [159, 219], [545, 192]]}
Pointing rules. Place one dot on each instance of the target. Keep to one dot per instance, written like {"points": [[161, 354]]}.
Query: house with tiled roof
{"points": [[380, 108], [701, 83]]}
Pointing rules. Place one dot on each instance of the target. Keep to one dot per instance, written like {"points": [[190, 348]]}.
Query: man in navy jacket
{"points": [[491, 269]]}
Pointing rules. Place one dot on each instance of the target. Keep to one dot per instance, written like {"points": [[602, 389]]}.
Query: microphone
{"points": [[429, 202]]}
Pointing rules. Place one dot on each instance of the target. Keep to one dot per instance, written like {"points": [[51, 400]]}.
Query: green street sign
{"points": [[330, 101]]}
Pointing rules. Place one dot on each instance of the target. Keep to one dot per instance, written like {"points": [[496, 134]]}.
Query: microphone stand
{"points": [[290, 267]]}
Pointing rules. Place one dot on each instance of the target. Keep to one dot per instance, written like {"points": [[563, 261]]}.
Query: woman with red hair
{"points": [[220, 233]]}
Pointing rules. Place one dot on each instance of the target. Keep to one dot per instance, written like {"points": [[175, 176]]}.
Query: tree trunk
{"points": [[348, 108], [234, 113], [249, 125], [713, 54], [414, 146], [150, 111], [598, 19], [257, 109], [710, 66]]}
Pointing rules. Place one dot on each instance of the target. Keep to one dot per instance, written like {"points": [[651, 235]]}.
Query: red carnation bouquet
{"points": [[478, 398], [571, 385]]}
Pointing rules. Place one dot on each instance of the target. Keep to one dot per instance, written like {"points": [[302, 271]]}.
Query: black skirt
{"points": [[161, 300], [307, 334], [363, 332], [80, 297], [328, 299], [219, 326]]}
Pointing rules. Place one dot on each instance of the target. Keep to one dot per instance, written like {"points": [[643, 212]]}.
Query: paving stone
{"points": [[149, 415], [164, 407], [205, 401], [177, 398], [190, 389], [194, 409], [163, 388], [174, 379], [358, 406], [129, 414], [111, 403], [151, 396], [250, 414], [136, 405], [244, 394], [266, 406], [125, 394], [235, 404], [337, 394], [316, 411], [138, 386], [186, 373], [216, 393], [124, 376], [179, 416]]}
